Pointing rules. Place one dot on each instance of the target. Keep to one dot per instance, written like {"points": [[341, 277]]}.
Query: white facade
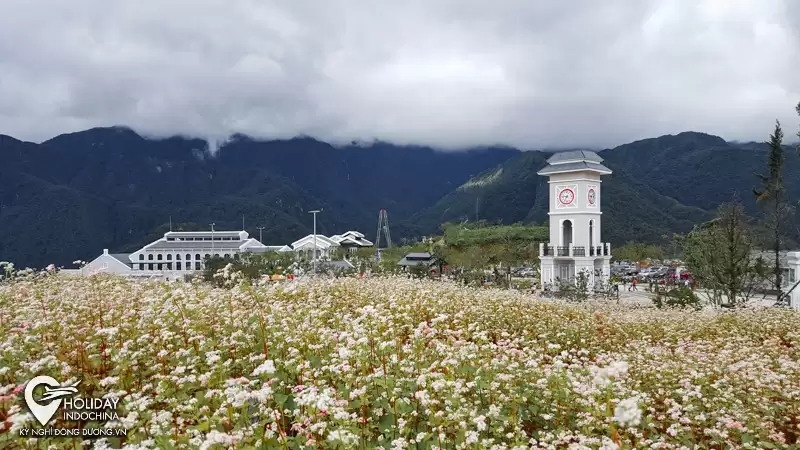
{"points": [[185, 251], [179, 253], [305, 246], [352, 241], [575, 219], [107, 263], [792, 277]]}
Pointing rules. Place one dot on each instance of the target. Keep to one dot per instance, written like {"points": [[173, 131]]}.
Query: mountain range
{"points": [[71, 196]]}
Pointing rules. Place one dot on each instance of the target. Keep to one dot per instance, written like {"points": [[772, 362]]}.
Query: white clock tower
{"points": [[575, 245]]}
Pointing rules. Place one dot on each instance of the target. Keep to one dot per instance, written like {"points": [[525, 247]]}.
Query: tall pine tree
{"points": [[773, 196]]}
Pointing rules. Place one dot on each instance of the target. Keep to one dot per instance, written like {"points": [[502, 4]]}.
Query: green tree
{"points": [[577, 290], [637, 251], [720, 255], [772, 195], [680, 297]]}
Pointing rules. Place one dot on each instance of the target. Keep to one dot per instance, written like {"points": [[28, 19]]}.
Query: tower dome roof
{"points": [[575, 161]]}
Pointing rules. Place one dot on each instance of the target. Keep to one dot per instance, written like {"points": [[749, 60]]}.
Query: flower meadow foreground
{"points": [[393, 364]]}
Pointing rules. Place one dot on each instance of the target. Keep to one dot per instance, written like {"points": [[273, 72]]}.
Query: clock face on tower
{"points": [[591, 196], [566, 196]]}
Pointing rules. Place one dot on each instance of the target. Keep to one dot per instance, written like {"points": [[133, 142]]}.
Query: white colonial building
{"points": [[575, 244], [176, 254], [304, 247], [183, 252], [351, 241]]}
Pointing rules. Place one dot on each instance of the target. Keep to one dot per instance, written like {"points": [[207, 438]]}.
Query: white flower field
{"points": [[395, 363]]}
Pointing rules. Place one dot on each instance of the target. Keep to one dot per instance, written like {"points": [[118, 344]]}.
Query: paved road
{"points": [[643, 297]]}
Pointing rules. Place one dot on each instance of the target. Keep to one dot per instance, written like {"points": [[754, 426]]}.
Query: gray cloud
{"points": [[449, 73]]}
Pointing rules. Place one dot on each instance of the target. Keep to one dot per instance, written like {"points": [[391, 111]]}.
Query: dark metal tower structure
{"points": [[383, 225]]}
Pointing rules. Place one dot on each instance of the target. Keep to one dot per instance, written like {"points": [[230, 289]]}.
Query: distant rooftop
{"points": [[124, 258], [244, 234]]}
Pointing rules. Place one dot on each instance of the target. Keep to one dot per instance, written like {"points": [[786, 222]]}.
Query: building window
{"points": [[178, 257], [159, 257], [141, 257], [169, 257], [160, 267], [207, 256], [150, 257], [216, 255], [178, 265], [188, 257], [197, 257], [197, 266], [169, 266], [170, 239], [150, 266]]}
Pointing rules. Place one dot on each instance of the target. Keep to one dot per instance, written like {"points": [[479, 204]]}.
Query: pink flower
{"points": [[18, 389]]}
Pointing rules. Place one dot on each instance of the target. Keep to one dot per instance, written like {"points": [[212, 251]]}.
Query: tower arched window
{"points": [[566, 233], [591, 233]]}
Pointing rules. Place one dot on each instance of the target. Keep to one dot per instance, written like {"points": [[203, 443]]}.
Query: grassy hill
{"points": [[512, 192]]}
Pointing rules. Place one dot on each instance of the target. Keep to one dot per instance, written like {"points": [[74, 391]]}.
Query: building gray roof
{"points": [[574, 167], [124, 258], [575, 155], [266, 248], [205, 245], [416, 259], [227, 233], [340, 264]]}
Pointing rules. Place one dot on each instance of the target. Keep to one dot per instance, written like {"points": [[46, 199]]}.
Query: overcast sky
{"points": [[448, 73]]}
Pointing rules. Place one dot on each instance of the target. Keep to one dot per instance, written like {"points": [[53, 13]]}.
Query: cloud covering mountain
{"points": [[448, 73]]}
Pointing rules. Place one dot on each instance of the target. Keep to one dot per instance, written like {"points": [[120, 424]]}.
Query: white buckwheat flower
{"points": [[627, 412], [267, 367]]}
